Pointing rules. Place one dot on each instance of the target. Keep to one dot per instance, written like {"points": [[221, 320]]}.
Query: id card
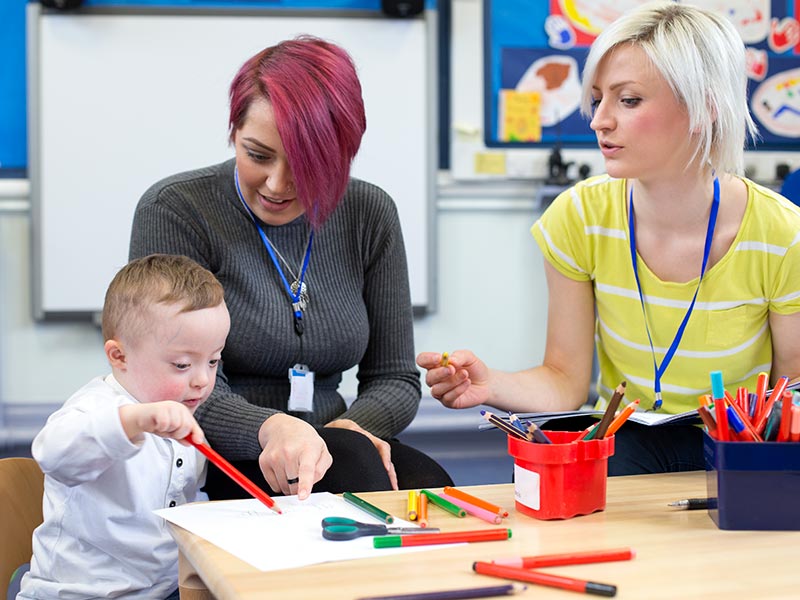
{"points": [[301, 396]]}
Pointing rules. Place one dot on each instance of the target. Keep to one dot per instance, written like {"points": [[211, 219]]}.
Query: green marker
{"points": [[444, 504], [367, 507]]}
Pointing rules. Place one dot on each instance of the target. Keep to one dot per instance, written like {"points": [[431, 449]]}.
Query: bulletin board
{"points": [[534, 54]]}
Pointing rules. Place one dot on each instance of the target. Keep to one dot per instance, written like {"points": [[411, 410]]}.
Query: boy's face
{"points": [[175, 359]]}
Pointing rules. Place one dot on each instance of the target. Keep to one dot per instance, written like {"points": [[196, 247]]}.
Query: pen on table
{"points": [[462, 594], [234, 474], [567, 558], [445, 359], [475, 511], [608, 416], [475, 501], [558, 581], [455, 537], [437, 500], [422, 515], [690, 503], [367, 507], [620, 419]]}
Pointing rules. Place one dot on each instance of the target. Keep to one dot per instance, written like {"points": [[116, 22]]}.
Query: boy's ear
{"points": [[115, 353]]}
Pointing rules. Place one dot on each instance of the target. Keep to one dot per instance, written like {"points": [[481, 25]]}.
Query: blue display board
{"points": [[13, 140], [534, 54]]}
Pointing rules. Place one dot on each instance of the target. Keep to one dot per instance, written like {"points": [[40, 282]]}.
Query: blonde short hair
{"points": [[702, 57], [154, 279]]}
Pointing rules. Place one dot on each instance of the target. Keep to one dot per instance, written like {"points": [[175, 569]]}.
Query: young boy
{"points": [[114, 452]]}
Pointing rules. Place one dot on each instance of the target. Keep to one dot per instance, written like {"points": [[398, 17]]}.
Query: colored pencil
{"points": [[608, 416], [437, 500], [475, 501], [475, 511], [537, 434], [422, 516], [557, 581], [413, 505], [455, 537], [567, 558], [235, 474], [367, 507], [620, 419], [503, 426]]}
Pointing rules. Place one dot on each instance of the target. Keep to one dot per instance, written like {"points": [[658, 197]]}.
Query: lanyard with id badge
{"points": [[301, 378]]}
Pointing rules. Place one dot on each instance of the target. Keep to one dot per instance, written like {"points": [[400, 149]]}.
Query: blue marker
{"points": [[717, 387]]}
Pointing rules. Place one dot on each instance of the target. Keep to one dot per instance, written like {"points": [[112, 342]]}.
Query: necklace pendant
{"points": [[302, 301]]}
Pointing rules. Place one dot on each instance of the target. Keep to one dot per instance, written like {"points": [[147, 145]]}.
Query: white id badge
{"points": [[301, 397]]}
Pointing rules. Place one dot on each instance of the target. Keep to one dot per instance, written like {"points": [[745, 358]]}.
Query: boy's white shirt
{"points": [[100, 537]]}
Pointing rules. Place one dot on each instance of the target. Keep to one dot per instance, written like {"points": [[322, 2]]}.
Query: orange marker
{"points": [[786, 417], [621, 418]]}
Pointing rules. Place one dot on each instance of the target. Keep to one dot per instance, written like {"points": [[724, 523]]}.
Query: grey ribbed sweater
{"points": [[359, 310]]}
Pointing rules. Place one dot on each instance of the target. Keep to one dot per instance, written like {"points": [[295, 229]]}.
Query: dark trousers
{"points": [[640, 449], [356, 467]]}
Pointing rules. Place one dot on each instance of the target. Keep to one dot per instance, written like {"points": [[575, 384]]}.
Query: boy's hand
{"points": [[166, 419]]}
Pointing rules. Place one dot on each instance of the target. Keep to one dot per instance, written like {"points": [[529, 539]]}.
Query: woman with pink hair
{"points": [[315, 276]]}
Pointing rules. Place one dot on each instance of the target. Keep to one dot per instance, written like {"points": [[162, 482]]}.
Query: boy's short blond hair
{"points": [[155, 279]]}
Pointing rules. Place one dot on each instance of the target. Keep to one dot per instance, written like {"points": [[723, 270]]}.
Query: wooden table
{"points": [[680, 553]]}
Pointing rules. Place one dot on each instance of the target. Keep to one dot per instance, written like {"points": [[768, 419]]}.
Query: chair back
{"points": [[21, 491]]}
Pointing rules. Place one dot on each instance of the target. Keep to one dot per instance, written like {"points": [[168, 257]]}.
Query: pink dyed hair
{"points": [[316, 98]]}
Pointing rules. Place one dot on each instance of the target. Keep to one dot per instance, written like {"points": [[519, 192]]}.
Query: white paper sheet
{"points": [[269, 541]]}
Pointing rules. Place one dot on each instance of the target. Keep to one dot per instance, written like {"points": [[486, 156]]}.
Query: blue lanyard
{"points": [[660, 369], [293, 296]]}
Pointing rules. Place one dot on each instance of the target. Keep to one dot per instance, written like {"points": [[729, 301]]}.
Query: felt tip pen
{"points": [[567, 558], [462, 594], [234, 473], [367, 507], [690, 504], [455, 537], [557, 581]]}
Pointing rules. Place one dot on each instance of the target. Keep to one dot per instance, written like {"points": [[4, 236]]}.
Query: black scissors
{"points": [[341, 528]]}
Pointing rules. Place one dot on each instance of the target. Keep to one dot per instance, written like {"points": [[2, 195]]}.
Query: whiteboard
{"points": [[119, 101]]}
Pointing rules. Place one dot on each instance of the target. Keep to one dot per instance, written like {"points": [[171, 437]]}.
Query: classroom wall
{"points": [[489, 280]]}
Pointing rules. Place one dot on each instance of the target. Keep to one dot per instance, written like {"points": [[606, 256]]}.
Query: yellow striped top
{"points": [[584, 235]]}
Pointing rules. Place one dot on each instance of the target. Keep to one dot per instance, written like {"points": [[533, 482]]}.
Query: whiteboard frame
{"points": [[83, 199]]}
